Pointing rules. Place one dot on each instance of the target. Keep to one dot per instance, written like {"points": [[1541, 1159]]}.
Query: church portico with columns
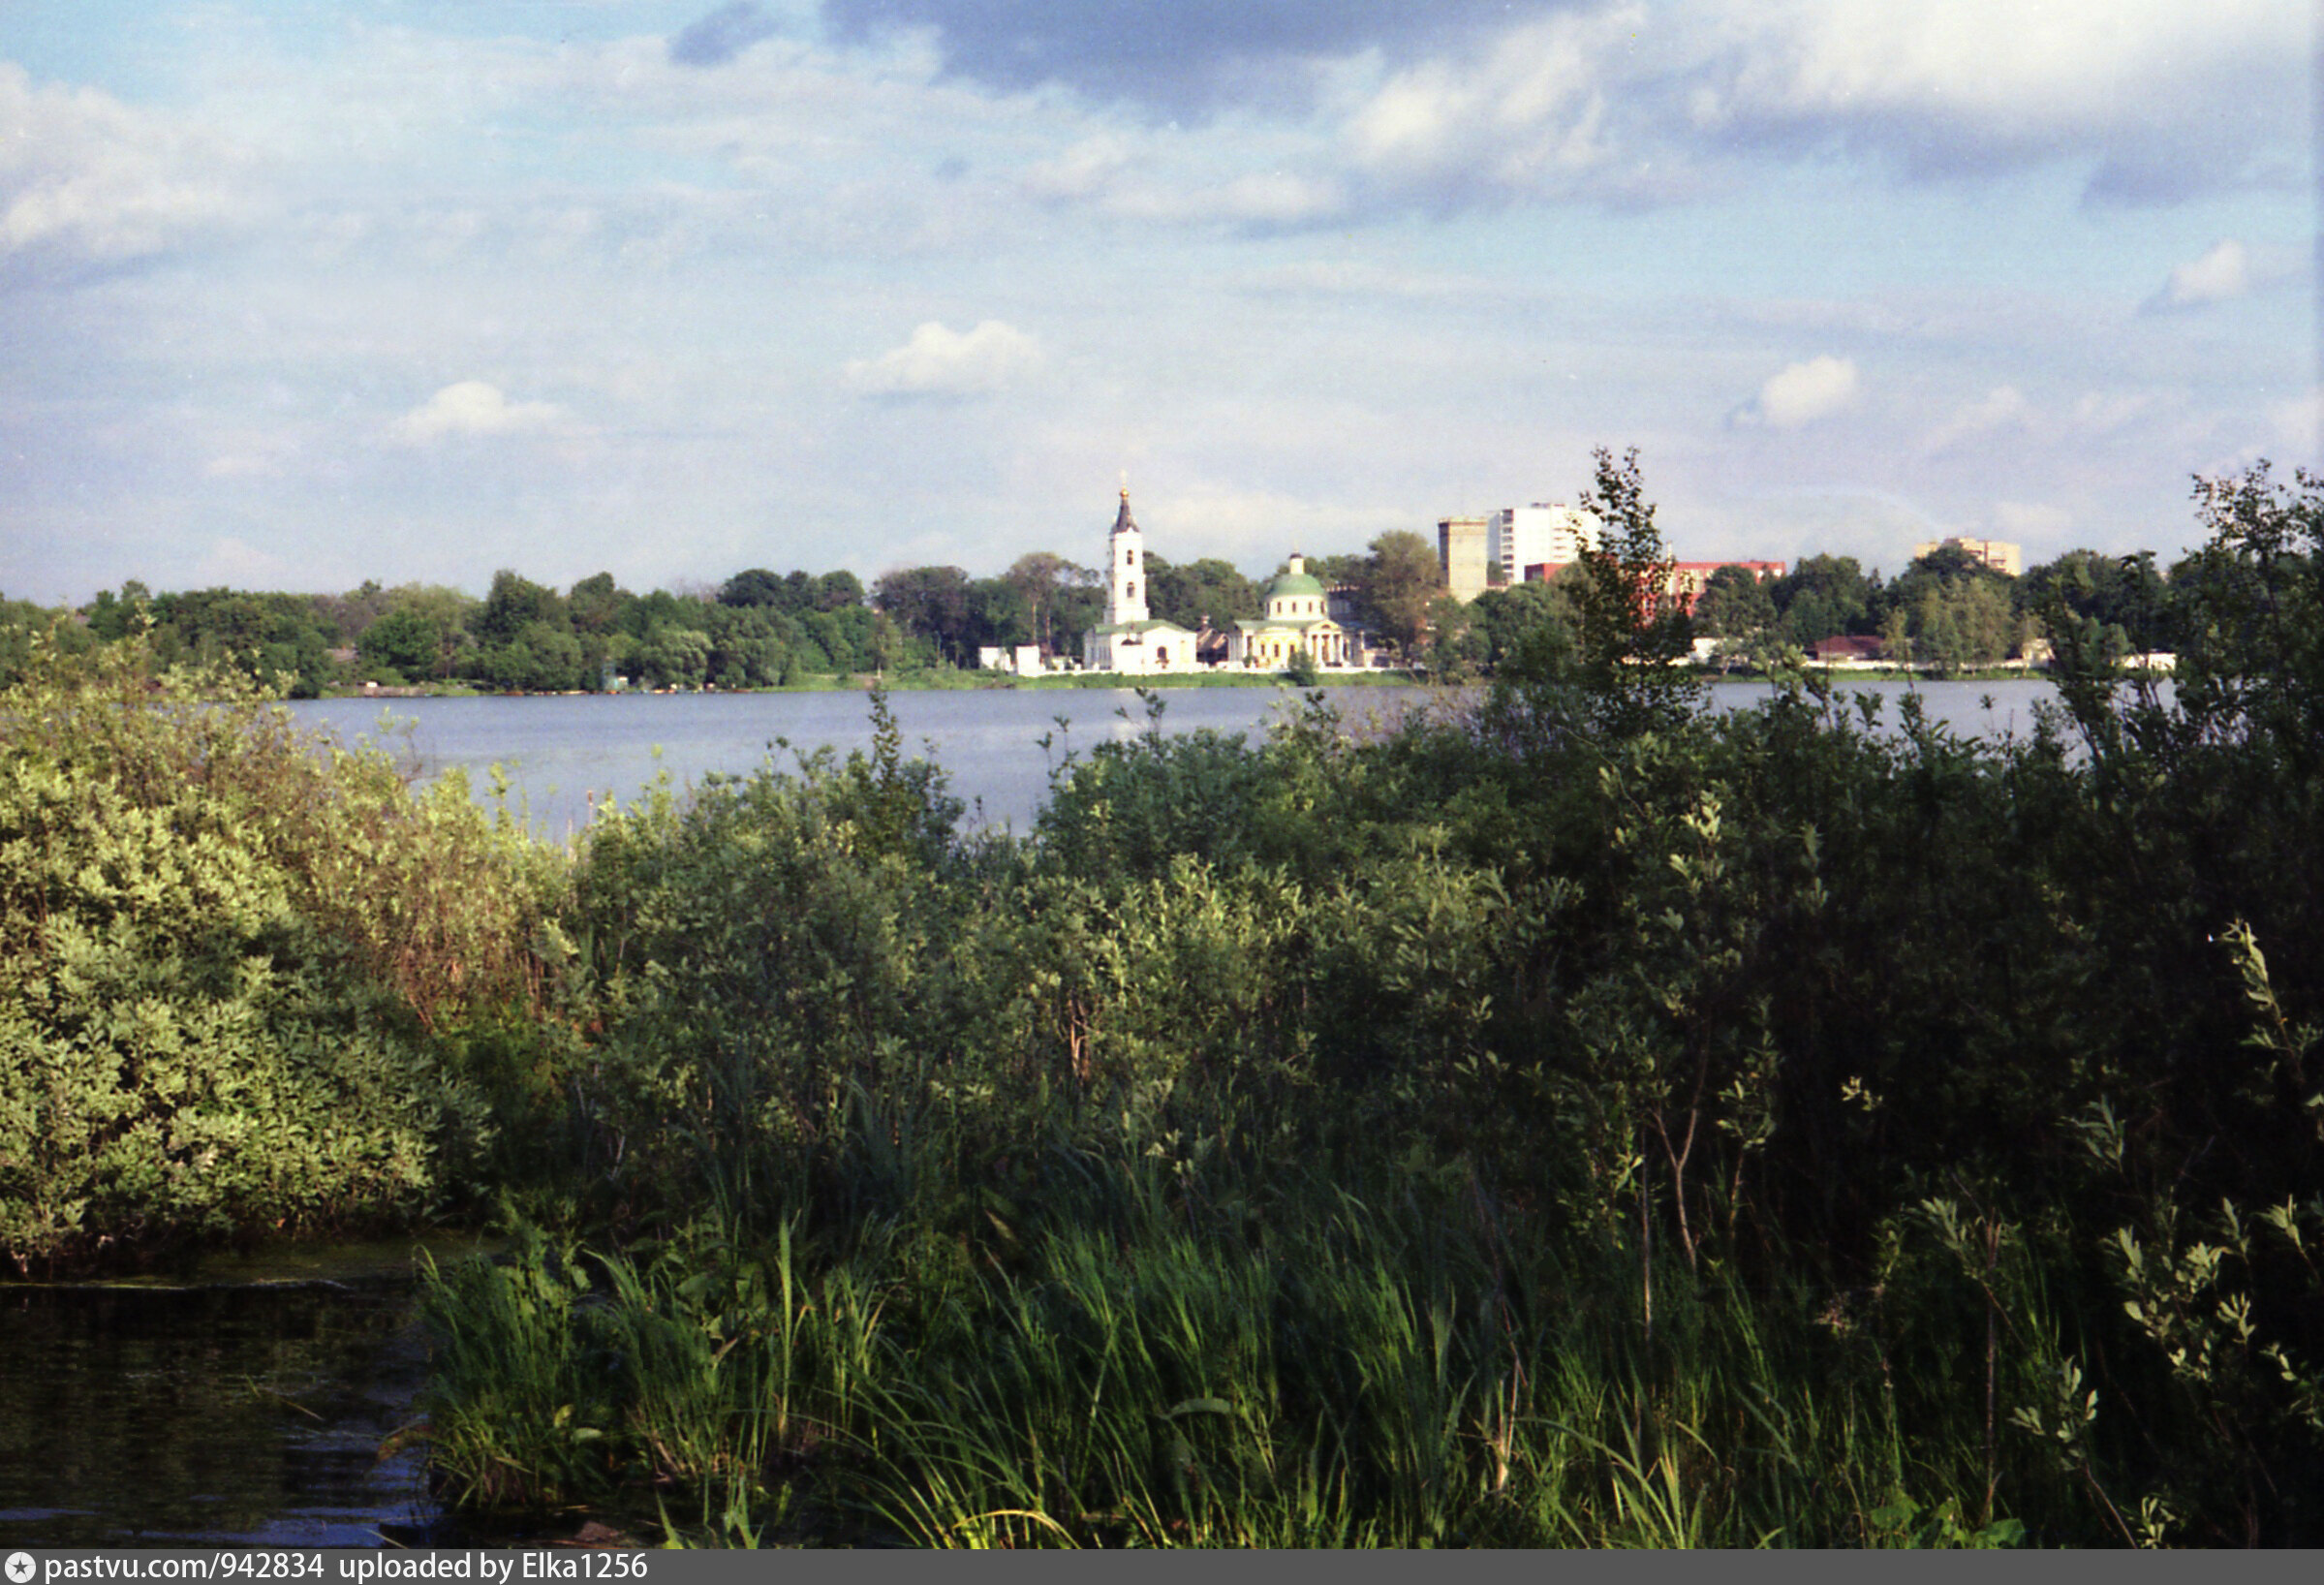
{"points": [[1297, 620]]}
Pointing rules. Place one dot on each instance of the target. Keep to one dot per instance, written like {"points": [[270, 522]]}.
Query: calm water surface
{"points": [[242, 1403], [559, 753]]}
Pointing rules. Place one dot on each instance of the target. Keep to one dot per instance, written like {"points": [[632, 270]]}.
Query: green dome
{"points": [[1293, 584]]}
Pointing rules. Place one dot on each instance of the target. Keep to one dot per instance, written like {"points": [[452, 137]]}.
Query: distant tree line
{"points": [[1945, 611]]}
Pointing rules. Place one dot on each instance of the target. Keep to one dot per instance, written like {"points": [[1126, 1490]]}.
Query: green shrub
{"points": [[223, 952]]}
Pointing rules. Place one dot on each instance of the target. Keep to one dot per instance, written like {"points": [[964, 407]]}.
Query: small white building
{"points": [[1024, 660], [1130, 640]]}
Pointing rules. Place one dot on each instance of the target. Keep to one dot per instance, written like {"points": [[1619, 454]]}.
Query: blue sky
{"points": [[295, 294]]}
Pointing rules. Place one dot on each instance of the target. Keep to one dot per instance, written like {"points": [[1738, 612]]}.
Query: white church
{"points": [[1130, 640]]}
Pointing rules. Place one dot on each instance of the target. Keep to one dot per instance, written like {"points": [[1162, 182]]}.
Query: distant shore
{"points": [[951, 682], [1115, 681]]}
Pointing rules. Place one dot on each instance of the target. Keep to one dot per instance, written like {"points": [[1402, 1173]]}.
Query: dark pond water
{"points": [[245, 1403]]}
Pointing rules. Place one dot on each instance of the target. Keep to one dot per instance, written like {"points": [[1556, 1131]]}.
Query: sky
{"points": [[301, 293]]}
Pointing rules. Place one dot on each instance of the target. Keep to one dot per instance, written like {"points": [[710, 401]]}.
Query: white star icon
{"points": [[20, 1568]]}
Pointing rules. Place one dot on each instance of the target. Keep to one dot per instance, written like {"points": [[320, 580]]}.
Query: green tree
{"points": [[1400, 579], [1736, 608], [515, 604], [838, 591], [1963, 624], [1631, 634], [1041, 577], [31, 636], [1896, 636], [2247, 620], [998, 616], [557, 658], [1958, 612], [114, 619], [1824, 597], [930, 603], [844, 638], [446, 611], [1944, 566], [596, 603], [748, 645], [660, 609], [344, 618], [1078, 609], [1207, 591], [2121, 595], [671, 656], [1505, 614], [760, 587], [1457, 642], [228, 961], [407, 642]]}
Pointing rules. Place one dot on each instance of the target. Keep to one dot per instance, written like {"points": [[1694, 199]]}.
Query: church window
{"points": [[1129, 591], [1130, 556]]}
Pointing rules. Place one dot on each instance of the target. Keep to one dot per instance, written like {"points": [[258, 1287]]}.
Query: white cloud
{"points": [[1364, 279], [2222, 273], [1525, 115], [1108, 174], [89, 178], [2229, 270], [1448, 103], [2004, 407], [1800, 395], [472, 407], [1274, 198], [2167, 95], [940, 362], [1082, 172]]}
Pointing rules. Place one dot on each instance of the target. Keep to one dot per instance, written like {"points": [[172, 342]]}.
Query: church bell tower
{"points": [[1126, 576]]}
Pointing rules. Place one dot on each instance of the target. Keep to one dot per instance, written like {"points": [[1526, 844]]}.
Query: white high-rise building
{"points": [[1543, 534]]}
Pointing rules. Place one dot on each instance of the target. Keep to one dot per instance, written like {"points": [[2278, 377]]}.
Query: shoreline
{"points": [[958, 682], [968, 682]]}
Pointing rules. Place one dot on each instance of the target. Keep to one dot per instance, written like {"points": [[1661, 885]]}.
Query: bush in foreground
{"points": [[233, 969]]}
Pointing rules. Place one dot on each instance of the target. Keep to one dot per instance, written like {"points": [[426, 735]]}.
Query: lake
{"points": [[562, 752]]}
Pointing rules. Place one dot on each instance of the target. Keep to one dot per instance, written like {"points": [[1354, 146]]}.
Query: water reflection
{"points": [[231, 1412]]}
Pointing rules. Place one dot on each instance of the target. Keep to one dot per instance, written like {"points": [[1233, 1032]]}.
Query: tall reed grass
{"points": [[1388, 1361]]}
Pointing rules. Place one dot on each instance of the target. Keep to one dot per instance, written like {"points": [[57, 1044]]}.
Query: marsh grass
{"points": [[1378, 1364]]}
